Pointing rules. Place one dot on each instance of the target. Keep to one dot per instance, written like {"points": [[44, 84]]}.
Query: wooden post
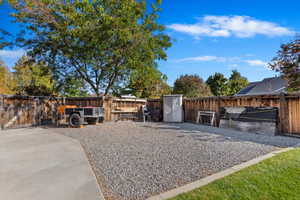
{"points": [[107, 104], [217, 121], [38, 111], [34, 112], [100, 101], [53, 112], [283, 126], [184, 109], [1, 112]]}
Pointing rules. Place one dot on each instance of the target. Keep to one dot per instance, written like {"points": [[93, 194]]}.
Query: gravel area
{"points": [[138, 160]]}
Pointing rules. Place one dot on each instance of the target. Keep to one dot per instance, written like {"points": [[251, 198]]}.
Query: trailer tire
{"points": [[75, 120]]}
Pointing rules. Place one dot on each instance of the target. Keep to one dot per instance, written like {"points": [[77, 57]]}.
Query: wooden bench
{"points": [[128, 116], [130, 113]]}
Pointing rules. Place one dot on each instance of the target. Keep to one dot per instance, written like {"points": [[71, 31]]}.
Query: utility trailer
{"points": [[77, 116]]}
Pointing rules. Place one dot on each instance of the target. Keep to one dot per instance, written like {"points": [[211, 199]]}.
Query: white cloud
{"points": [[11, 54], [226, 26], [256, 63], [232, 61], [208, 58], [199, 58]]}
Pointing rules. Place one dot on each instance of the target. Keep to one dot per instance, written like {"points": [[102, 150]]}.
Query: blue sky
{"points": [[214, 36]]}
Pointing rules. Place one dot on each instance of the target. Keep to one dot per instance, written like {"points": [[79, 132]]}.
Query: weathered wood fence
{"points": [[288, 108], [22, 111], [155, 107], [18, 111]]}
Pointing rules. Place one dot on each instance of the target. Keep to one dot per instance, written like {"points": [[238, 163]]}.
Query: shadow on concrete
{"points": [[214, 134]]}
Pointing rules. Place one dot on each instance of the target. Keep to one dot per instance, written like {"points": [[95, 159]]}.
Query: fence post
{"points": [[218, 114], [34, 112], [283, 125], [100, 101], [1, 112], [107, 105], [184, 110]]}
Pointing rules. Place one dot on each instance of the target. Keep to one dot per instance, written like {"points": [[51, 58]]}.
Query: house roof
{"points": [[275, 85]]}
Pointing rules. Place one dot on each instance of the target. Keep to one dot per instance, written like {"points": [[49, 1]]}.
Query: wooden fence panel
{"points": [[121, 106], [192, 106], [155, 107], [23, 111], [288, 108], [292, 112], [17, 112]]}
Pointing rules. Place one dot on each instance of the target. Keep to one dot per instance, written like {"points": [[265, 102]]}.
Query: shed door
{"points": [[173, 109]]}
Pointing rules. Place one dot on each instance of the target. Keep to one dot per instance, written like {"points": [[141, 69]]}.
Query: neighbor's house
{"points": [[275, 85]]}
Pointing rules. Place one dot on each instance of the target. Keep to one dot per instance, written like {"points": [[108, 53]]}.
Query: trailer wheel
{"points": [[75, 120]]}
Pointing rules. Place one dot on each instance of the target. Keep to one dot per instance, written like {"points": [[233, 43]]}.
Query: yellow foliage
{"points": [[6, 80]]}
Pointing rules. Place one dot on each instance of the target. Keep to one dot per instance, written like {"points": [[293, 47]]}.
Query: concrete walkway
{"points": [[36, 164]]}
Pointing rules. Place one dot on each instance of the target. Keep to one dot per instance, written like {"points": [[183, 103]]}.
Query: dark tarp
{"points": [[250, 114]]}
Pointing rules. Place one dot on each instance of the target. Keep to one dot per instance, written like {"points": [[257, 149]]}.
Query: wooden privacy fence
{"points": [[19, 111], [22, 111], [288, 108]]}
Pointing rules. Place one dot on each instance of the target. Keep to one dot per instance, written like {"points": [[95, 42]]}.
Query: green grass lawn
{"points": [[273, 179]]}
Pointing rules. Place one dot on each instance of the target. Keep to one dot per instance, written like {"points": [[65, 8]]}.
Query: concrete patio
{"points": [[38, 164]]}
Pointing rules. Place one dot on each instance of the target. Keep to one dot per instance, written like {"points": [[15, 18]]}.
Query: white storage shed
{"points": [[172, 108]]}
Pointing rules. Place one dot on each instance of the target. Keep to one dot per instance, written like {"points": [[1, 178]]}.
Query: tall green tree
{"points": [[101, 41], [33, 78], [191, 86], [287, 63], [218, 84], [148, 82], [71, 86], [236, 82]]}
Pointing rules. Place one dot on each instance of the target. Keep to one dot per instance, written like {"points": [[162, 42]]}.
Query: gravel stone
{"points": [[137, 160]]}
